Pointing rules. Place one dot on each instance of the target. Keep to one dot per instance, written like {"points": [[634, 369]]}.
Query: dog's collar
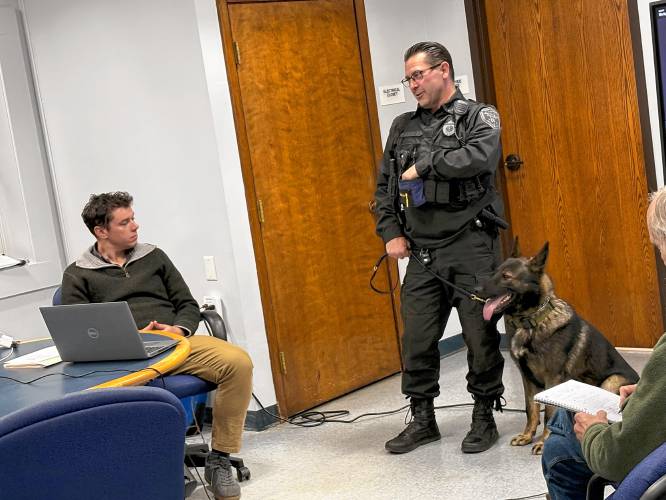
{"points": [[534, 319]]}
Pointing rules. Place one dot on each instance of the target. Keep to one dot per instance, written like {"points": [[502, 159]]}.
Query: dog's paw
{"points": [[537, 449], [521, 440]]}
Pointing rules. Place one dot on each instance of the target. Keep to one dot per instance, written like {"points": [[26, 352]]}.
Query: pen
{"points": [[624, 403]]}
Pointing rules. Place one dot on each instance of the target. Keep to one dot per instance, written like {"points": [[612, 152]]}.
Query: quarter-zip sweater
{"points": [[148, 282], [612, 450]]}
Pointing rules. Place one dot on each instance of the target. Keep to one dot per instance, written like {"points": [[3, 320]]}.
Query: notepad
{"points": [[38, 359], [579, 397]]}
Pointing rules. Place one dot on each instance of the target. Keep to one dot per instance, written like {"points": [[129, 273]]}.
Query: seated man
{"points": [[118, 268], [612, 450]]}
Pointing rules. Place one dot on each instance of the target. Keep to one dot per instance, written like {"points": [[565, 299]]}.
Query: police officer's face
{"points": [[433, 88]]}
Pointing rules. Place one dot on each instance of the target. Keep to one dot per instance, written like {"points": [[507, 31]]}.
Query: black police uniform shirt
{"points": [[457, 145]]}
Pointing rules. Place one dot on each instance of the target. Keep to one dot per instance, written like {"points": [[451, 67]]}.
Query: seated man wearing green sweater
{"points": [[583, 444], [119, 268]]}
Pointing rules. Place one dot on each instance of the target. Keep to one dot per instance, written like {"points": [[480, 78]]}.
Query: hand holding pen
{"points": [[625, 392]]}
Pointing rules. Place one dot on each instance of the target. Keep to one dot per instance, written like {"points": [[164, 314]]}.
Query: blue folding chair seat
{"points": [[646, 481], [104, 444]]}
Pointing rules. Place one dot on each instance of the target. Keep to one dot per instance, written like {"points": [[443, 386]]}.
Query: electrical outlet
{"points": [[214, 301]]}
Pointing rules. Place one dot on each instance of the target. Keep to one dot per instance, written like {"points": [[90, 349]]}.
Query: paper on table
{"points": [[6, 262], [38, 359], [579, 397]]}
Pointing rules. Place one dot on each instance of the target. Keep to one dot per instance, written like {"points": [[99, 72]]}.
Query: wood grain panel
{"points": [[313, 163], [565, 88]]}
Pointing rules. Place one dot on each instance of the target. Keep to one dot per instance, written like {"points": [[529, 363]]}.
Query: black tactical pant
{"points": [[426, 303]]}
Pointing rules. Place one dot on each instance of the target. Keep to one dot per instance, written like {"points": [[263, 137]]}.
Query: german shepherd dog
{"points": [[551, 343]]}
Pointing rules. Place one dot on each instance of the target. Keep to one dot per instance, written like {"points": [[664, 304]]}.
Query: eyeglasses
{"points": [[417, 76]]}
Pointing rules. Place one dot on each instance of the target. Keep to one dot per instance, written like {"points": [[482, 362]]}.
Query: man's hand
{"points": [[398, 247], [585, 420], [154, 325], [410, 174], [625, 392]]}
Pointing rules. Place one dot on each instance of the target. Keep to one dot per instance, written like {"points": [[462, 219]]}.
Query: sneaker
{"points": [[220, 476]]}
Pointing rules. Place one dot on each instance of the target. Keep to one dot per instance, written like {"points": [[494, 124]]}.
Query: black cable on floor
{"points": [[314, 418]]}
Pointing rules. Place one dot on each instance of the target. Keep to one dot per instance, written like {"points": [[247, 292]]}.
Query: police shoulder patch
{"points": [[490, 117]]}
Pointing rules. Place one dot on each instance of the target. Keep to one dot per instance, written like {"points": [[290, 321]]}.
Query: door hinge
{"points": [[260, 205], [237, 58], [283, 364]]}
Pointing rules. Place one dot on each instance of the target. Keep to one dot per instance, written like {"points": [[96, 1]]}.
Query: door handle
{"points": [[371, 206], [513, 162]]}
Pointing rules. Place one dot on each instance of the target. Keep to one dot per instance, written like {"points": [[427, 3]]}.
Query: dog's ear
{"points": [[538, 262], [515, 250]]}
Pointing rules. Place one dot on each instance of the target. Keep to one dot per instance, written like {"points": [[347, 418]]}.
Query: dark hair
{"points": [[435, 53], [99, 208]]}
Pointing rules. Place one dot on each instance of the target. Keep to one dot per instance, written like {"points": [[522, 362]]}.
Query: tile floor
{"points": [[348, 461]]}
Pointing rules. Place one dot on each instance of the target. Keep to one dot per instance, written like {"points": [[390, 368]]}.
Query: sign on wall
{"points": [[391, 94]]}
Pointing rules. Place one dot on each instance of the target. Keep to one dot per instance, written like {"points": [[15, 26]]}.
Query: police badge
{"points": [[490, 117], [449, 128]]}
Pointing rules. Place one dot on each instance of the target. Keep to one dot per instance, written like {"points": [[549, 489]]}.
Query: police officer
{"points": [[436, 179]]}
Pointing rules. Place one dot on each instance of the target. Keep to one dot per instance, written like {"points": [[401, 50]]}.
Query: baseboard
{"points": [[255, 420], [646, 350], [455, 343]]}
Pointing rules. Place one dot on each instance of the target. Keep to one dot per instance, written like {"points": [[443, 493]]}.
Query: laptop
{"points": [[103, 331]]}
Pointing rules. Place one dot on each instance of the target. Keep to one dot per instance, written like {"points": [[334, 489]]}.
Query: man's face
{"points": [[430, 91], [122, 232]]}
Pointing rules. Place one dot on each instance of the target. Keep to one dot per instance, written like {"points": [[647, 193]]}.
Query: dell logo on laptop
{"points": [[93, 333]]}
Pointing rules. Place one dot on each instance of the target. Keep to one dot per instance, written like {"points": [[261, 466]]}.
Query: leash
{"points": [[374, 273], [466, 293]]}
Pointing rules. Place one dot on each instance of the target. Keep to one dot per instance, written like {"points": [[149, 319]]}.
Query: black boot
{"points": [[421, 430], [483, 433]]}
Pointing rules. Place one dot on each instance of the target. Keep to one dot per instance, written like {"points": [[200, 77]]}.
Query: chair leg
{"points": [[242, 472], [195, 456], [596, 487], [190, 482]]}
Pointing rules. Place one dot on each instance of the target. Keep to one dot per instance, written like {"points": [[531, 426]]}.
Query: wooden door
{"points": [[312, 155], [564, 82]]}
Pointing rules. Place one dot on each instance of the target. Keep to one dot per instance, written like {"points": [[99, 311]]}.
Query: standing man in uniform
{"points": [[436, 199]]}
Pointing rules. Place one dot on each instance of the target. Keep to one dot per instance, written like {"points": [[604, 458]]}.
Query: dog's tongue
{"points": [[490, 306]]}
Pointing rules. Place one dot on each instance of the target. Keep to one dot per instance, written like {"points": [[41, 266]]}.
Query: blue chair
{"points": [[646, 481], [192, 392], [102, 444]]}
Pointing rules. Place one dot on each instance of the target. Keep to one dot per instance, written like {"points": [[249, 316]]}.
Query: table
{"points": [[15, 395]]}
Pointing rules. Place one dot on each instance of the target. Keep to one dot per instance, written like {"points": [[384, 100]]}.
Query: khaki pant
{"points": [[229, 367]]}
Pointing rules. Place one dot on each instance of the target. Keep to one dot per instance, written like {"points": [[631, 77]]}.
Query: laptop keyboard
{"points": [[153, 346]]}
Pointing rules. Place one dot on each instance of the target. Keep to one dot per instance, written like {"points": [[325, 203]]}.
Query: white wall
{"points": [[26, 203], [651, 85]]}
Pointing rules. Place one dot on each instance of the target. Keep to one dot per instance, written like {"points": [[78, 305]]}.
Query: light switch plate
{"points": [[209, 267]]}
